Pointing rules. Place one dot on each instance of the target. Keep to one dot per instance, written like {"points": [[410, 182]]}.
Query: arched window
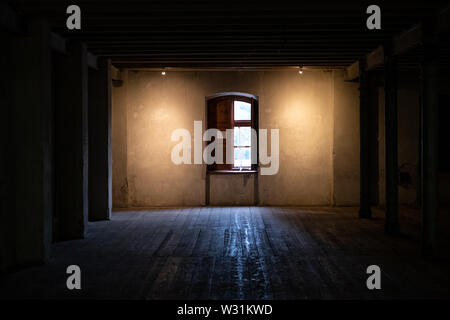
{"points": [[239, 113]]}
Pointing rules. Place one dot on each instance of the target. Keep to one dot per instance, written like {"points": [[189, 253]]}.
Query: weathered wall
{"points": [[235, 189], [156, 106], [301, 107], [119, 142]]}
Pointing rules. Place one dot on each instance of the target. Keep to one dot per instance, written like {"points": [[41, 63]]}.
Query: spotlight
{"points": [[163, 73], [300, 71]]}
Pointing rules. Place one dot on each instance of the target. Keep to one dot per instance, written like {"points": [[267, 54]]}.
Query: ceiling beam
{"points": [[407, 40], [115, 73], [402, 43], [371, 61], [375, 58], [352, 71], [226, 36]]}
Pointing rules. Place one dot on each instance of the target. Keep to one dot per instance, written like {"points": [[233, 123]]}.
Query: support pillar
{"points": [[7, 184], [33, 146], [391, 118], [100, 168], [430, 147], [364, 209], [71, 126]]}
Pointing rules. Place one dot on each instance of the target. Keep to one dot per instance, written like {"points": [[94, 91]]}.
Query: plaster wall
{"points": [[147, 107]]}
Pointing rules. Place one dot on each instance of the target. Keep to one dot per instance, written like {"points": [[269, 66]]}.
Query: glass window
{"points": [[242, 157], [242, 110], [242, 146], [234, 112], [242, 136]]}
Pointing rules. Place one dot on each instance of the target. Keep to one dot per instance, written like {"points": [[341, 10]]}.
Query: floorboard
{"points": [[236, 253]]}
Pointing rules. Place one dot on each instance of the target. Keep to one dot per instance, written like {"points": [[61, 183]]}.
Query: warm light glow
{"points": [[163, 73], [300, 71]]}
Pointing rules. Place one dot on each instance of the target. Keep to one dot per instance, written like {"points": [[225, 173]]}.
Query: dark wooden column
{"points": [[71, 142], [7, 147], [364, 209], [33, 147], [100, 169], [430, 135], [390, 65]]}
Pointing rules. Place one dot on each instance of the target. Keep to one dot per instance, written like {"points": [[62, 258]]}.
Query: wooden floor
{"points": [[236, 253]]}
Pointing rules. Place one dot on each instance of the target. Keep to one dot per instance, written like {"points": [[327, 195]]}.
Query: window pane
{"points": [[245, 136], [242, 110], [237, 157], [242, 136], [246, 158], [242, 157]]}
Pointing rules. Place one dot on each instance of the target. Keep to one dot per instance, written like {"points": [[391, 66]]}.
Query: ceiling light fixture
{"points": [[300, 71]]}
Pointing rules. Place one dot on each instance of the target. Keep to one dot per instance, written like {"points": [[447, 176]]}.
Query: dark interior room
{"points": [[224, 150]]}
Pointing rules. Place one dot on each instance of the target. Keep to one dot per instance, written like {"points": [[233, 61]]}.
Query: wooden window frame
{"points": [[253, 124], [241, 123]]}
